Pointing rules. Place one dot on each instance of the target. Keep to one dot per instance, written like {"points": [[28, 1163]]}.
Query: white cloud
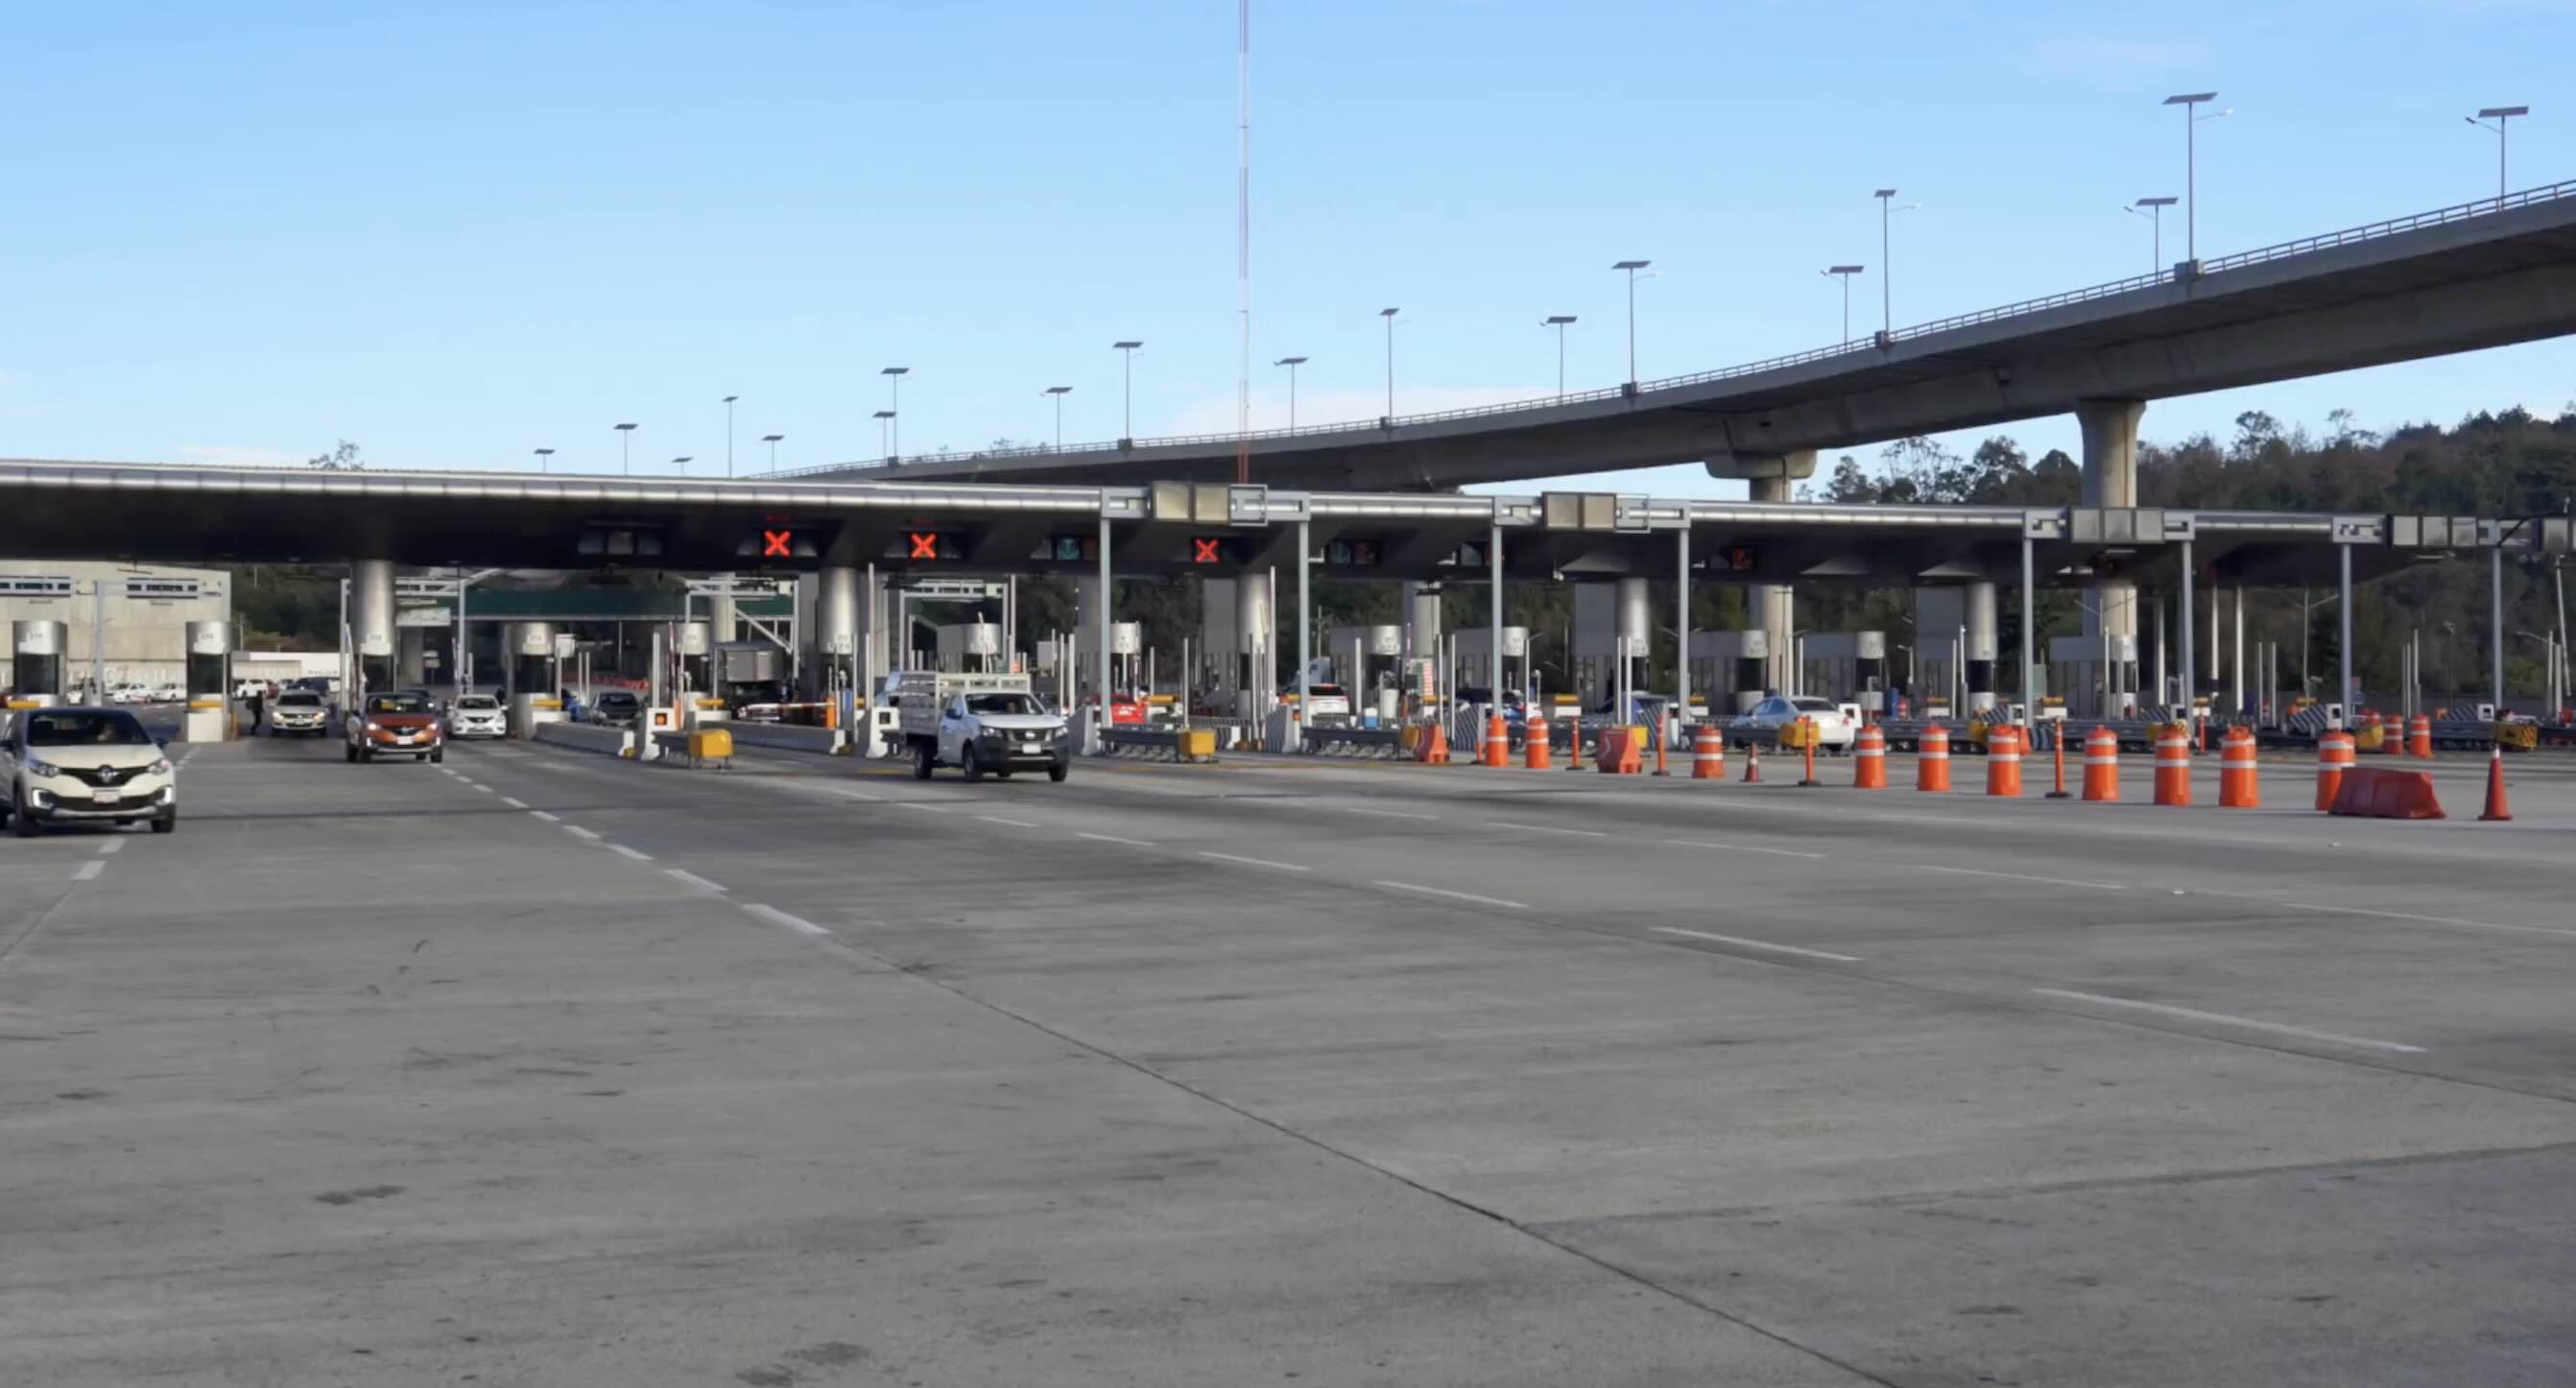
{"points": [[235, 455]]}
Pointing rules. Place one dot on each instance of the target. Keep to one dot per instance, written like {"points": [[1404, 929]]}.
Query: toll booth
{"points": [[692, 641], [1955, 644], [1613, 638], [1369, 662], [210, 688], [2077, 666], [1726, 668], [536, 676], [1845, 666], [36, 664], [1476, 668], [970, 648]]}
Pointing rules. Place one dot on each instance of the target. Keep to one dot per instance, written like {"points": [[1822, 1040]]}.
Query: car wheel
{"points": [[165, 821], [348, 753], [22, 823], [366, 754], [1057, 771], [922, 761], [439, 756], [967, 763]]}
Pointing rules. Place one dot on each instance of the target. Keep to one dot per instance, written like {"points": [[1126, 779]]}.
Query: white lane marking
{"points": [[1014, 823], [87, 870], [478, 785], [1758, 944], [637, 855], [514, 802], [1254, 862], [1386, 814], [1113, 838], [1455, 896], [548, 818], [926, 807], [2223, 1019], [2404, 916], [110, 846], [775, 916], [1546, 829], [694, 880], [1743, 848], [585, 833], [2017, 876], [854, 794]]}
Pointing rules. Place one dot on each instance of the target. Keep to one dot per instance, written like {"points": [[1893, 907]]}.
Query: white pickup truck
{"points": [[979, 723]]}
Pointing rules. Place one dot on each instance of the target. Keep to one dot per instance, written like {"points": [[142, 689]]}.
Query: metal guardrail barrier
{"points": [[1351, 742], [1177, 744], [2372, 231]]}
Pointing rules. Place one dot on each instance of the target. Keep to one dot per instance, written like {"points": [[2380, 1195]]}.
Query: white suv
{"points": [[65, 765]]}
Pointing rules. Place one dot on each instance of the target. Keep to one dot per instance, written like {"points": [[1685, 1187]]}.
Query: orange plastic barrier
{"points": [[1708, 754], [1536, 747], [2173, 765], [2334, 758], [2419, 736], [2238, 776], [1620, 754], [2057, 762], [2369, 793], [1497, 750], [1433, 748], [1808, 776], [1869, 759], [2003, 760], [1932, 759], [2497, 811], [2102, 765]]}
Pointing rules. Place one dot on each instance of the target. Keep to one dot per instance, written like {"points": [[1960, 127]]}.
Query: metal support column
{"points": [[2495, 622], [2029, 675], [2190, 642], [2236, 688], [1305, 639], [1681, 624], [2345, 694], [1494, 614], [1101, 625]]}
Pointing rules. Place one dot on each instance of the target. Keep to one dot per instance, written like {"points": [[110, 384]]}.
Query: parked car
{"points": [[299, 713], [65, 765], [400, 724], [617, 708], [169, 694], [477, 715], [1764, 722], [129, 692]]}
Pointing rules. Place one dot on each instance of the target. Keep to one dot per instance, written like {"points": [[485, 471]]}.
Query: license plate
{"points": [[1032, 748], [108, 797]]}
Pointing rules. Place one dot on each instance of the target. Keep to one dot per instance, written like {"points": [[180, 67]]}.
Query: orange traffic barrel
{"points": [[2334, 757], [2003, 760], [2173, 765], [1497, 750], [2102, 765], [1708, 754], [1869, 759], [1536, 745], [2237, 774], [2419, 736], [1932, 759], [2392, 734]]}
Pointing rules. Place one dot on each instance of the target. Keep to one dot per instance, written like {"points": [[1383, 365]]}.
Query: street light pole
{"points": [[1389, 315], [682, 463], [1126, 389], [1886, 261], [1558, 322], [894, 402], [772, 441], [1058, 392], [544, 457], [2500, 115], [1632, 267], [1292, 363], [728, 404], [2154, 213], [2191, 119], [625, 433], [1844, 273]]}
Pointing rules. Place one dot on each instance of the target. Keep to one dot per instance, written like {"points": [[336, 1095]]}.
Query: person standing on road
{"points": [[258, 708]]}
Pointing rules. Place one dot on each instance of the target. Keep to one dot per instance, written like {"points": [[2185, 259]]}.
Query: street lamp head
{"points": [[624, 427], [1056, 390], [731, 398], [545, 452], [771, 438], [1631, 265], [2191, 98], [2500, 112], [1844, 269], [894, 371], [884, 414], [1388, 312], [1289, 361], [1883, 193], [1557, 320], [1127, 346], [2155, 202]]}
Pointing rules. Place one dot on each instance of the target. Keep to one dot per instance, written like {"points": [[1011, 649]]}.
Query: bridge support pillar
{"points": [[837, 625], [1422, 628], [1774, 606], [411, 657], [2111, 479], [1982, 645], [371, 623]]}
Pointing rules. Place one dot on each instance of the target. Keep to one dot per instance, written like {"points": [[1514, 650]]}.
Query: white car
{"points": [[299, 713], [169, 694], [74, 764], [1327, 705], [128, 693], [1764, 722], [477, 715]]}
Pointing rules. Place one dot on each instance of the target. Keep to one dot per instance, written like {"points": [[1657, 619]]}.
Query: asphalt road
{"points": [[545, 1068]]}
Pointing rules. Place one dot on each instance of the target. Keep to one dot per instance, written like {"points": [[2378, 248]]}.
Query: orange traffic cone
{"points": [[1753, 764], [2496, 811]]}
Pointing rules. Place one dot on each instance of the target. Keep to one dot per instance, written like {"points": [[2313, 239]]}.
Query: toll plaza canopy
{"points": [[169, 513]]}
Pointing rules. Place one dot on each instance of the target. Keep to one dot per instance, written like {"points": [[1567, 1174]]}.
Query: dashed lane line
{"points": [[2021, 877], [591, 834], [775, 916], [636, 854], [848, 794], [1455, 896], [1741, 942], [514, 802], [1743, 848], [926, 807], [694, 880], [1014, 823], [110, 846], [1254, 862], [1385, 814], [548, 818], [2222, 1019], [1548, 829], [1113, 838], [87, 870]]}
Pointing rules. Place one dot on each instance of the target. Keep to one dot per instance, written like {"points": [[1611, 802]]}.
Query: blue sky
{"points": [[455, 233]]}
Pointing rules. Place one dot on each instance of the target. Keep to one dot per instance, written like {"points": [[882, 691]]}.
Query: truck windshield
{"points": [[1003, 704]]}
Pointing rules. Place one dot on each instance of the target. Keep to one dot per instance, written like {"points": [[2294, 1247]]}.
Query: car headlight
{"points": [[159, 767], [42, 768], [373, 726]]}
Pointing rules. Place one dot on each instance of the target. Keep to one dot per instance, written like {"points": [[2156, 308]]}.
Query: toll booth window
{"points": [[1003, 704], [86, 729]]}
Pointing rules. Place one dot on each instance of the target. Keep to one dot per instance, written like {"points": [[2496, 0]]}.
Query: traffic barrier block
{"points": [[2173, 765], [2334, 758], [1708, 754], [1869, 759], [2370, 793], [1932, 759], [1621, 751], [1534, 748], [2238, 775], [2102, 765], [2003, 760], [1432, 749]]}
